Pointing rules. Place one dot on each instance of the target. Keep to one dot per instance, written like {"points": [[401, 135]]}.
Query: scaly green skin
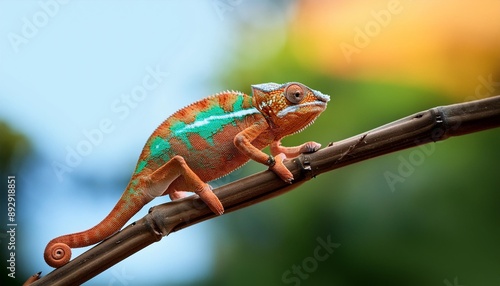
{"points": [[202, 142]]}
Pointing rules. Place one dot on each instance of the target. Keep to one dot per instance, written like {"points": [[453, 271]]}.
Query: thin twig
{"points": [[432, 125]]}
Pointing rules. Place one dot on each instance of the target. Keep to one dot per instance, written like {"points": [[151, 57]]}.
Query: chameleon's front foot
{"points": [[57, 254], [291, 152], [277, 166], [309, 147]]}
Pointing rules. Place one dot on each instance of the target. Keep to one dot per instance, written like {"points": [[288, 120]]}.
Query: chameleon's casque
{"points": [[202, 142]]}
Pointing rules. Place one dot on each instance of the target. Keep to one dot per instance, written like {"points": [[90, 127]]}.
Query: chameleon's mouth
{"points": [[320, 105]]}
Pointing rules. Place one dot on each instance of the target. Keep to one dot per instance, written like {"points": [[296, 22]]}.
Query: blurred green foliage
{"points": [[440, 224], [14, 150], [14, 146]]}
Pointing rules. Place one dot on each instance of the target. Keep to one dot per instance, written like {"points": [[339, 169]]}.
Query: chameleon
{"points": [[204, 141]]}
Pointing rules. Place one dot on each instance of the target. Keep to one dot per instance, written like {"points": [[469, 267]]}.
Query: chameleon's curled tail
{"points": [[58, 250]]}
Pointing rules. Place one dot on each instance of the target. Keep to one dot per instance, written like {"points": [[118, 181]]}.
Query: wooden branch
{"points": [[432, 125]]}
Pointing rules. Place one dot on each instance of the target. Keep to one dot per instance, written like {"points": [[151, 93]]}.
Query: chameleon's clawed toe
{"points": [[211, 200], [310, 147], [279, 169]]}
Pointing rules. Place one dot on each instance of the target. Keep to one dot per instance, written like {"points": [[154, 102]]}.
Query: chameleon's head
{"points": [[290, 107]]}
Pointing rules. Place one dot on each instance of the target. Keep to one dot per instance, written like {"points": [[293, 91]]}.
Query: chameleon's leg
{"points": [[243, 140], [58, 251], [173, 169], [295, 151]]}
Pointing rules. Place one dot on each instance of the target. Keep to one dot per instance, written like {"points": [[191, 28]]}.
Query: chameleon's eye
{"points": [[294, 93]]}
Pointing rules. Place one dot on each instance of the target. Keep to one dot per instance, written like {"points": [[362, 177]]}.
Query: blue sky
{"points": [[97, 78]]}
